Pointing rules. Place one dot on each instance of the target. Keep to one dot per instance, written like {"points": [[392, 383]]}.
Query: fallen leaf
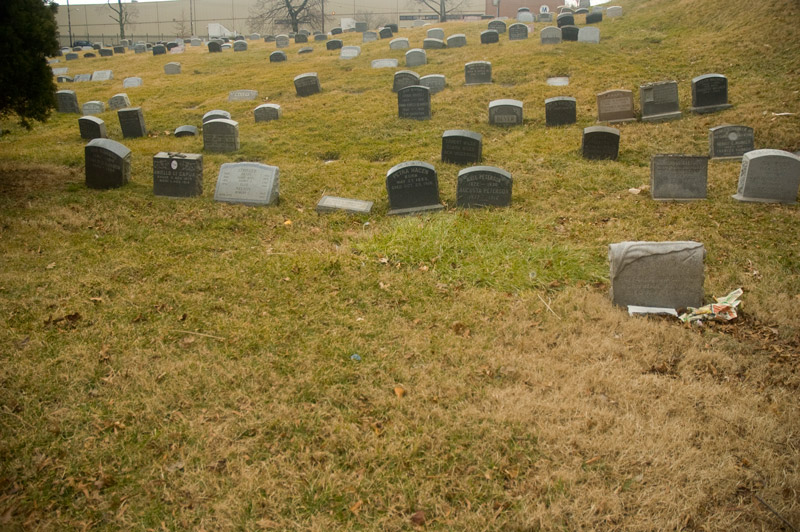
{"points": [[188, 340], [219, 466], [287, 223], [356, 507], [51, 266], [418, 518], [175, 466], [399, 391]]}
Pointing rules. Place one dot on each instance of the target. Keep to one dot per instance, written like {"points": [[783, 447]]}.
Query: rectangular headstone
{"points": [[560, 111], [478, 72], [460, 146], [221, 135], [414, 102], [659, 101], [481, 186], [102, 75], [769, 176], [248, 183], [678, 177], [177, 175], [403, 79], [67, 102], [729, 142], [615, 106], [94, 107], [108, 164], [413, 187], [710, 93], [517, 32], [267, 112], [351, 206], [349, 52], [242, 95], [505, 112], [131, 120]]}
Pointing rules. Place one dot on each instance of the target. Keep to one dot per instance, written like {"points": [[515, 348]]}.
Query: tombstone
{"points": [[216, 114], [172, 68], [186, 131], [64, 79], [460, 146], [108, 164], [435, 33], [214, 47], [336, 31], [305, 50], [546, 17], [419, 22], [458, 40], [659, 101], [594, 17], [600, 142], [248, 183], [550, 35], [581, 11], [478, 72], [483, 186], [678, 177], [159, 49], [369, 36], [657, 274], [709, 93], [589, 34], [525, 17], [93, 108], [435, 82], [401, 43], [393, 27], [221, 135], [177, 175], [584, 3], [349, 52], [517, 32], [729, 142], [615, 106], [240, 46], [361, 27], [60, 71], [497, 25], [118, 50], [82, 78], [333, 44], [267, 112], [414, 102], [416, 57], [569, 33], [67, 102], [307, 84], [350, 206], [769, 176], [560, 111], [278, 56], [72, 56], [254, 37], [89, 55], [242, 95], [106, 52], [304, 32], [413, 187], [226, 46], [614, 11], [403, 79], [433, 44], [505, 113], [140, 48], [172, 45], [320, 37], [384, 63], [131, 120], [282, 41], [490, 37], [565, 19], [196, 42], [92, 127]]}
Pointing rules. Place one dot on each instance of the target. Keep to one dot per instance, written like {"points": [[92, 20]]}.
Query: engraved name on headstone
{"points": [[131, 120], [505, 112], [177, 175], [221, 135], [769, 176], [678, 177], [730, 142], [413, 186], [108, 164], [482, 186], [615, 106], [460, 146], [248, 183], [414, 102]]}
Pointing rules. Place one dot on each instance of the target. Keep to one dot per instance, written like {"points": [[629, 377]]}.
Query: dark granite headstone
{"points": [[119, 49], [460, 146], [678, 177], [659, 101], [393, 27], [730, 142], [433, 44], [307, 84], [159, 49], [517, 32], [177, 175], [482, 186], [710, 93], [505, 112], [412, 187], [92, 127], [769, 176], [478, 72], [300, 38], [594, 18], [403, 79], [334, 44], [361, 27], [615, 106], [600, 142], [569, 33], [490, 37], [278, 56], [336, 31], [215, 115], [497, 25], [67, 102], [131, 120], [565, 19], [221, 135], [106, 52], [90, 55], [560, 111], [414, 102], [214, 47], [248, 183], [267, 112], [108, 164]]}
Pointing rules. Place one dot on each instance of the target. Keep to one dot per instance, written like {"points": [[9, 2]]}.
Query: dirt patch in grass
{"points": [[18, 179]]}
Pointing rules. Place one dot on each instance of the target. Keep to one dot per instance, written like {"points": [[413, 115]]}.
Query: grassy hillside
{"points": [[186, 364]]}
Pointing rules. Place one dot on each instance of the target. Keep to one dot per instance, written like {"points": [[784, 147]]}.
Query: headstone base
{"points": [[620, 121], [662, 117], [416, 210], [711, 108], [740, 197]]}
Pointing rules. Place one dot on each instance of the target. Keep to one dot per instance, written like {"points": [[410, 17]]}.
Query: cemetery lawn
{"points": [[191, 365]]}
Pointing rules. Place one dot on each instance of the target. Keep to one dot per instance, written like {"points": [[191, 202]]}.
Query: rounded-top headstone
{"points": [[278, 56], [769, 176], [186, 131], [216, 114]]}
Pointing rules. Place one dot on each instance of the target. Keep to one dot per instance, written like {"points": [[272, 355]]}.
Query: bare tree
{"points": [[374, 20], [124, 15], [181, 26], [440, 7], [268, 13]]}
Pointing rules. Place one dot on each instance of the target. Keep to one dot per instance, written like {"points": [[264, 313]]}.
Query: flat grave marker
{"points": [[267, 112], [337, 204], [248, 183]]}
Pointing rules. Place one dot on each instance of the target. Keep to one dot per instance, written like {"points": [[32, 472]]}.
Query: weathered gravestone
{"points": [[435, 33], [403, 79], [267, 112], [173, 68], [140, 48], [196, 42], [129, 83], [282, 41], [131, 120], [159, 49], [108, 164], [336, 31], [94, 107], [416, 57], [248, 183], [678, 177], [177, 175], [385, 33], [457, 40], [615, 106], [401, 43], [433, 44], [525, 17], [659, 101], [221, 135], [710, 93], [729, 142], [435, 82], [361, 27], [215, 115], [569, 33], [482, 186], [82, 78], [72, 56], [119, 49], [505, 112], [769, 176], [657, 274], [413, 187], [369, 36], [92, 127], [64, 79], [320, 37], [613, 11], [497, 25], [414, 102], [240, 46], [349, 52], [550, 35], [278, 56], [460, 146], [307, 84], [334, 44], [589, 35], [60, 71], [560, 111], [106, 52], [594, 18], [478, 72], [517, 32], [186, 131], [226, 46], [242, 95], [565, 19], [600, 142], [490, 37], [90, 55], [546, 17], [350, 206], [384, 63]]}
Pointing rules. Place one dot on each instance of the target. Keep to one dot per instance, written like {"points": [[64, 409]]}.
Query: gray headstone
{"points": [[64, 79], [369, 36], [307, 84], [458, 40], [546, 17], [131, 120], [569, 33], [90, 55], [490, 37], [254, 37], [196, 42], [186, 131], [320, 37], [657, 274], [141, 48], [242, 95], [305, 50], [336, 31], [361, 27], [281, 41], [433, 44], [248, 183], [108, 164], [384, 63], [678, 177], [460, 146], [172, 68], [82, 78], [600, 142], [560, 111], [240, 46], [351, 206], [93, 108], [497, 25], [435, 82], [505, 113], [550, 35], [414, 102], [401, 43], [565, 19], [525, 17], [177, 175], [278, 56], [730, 142], [71, 56], [67, 102], [267, 112], [413, 187], [403, 79], [710, 93], [589, 34], [159, 49], [216, 114], [60, 71], [106, 52], [435, 33], [221, 135], [349, 52], [129, 83], [517, 32], [769, 176], [92, 127], [333, 44], [416, 57], [613, 11], [478, 72], [482, 186], [659, 101], [615, 106]]}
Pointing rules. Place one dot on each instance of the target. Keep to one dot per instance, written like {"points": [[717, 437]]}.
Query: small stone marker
{"points": [[320, 37], [769, 176], [119, 101], [141, 48], [226, 46], [129, 83], [416, 57], [589, 35], [334, 44], [657, 274], [159, 49], [102, 75], [678, 177], [413, 187], [659, 101], [600, 142], [221, 135], [248, 183], [433, 44], [384, 63], [178, 175], [490, 37], [278, 56], [64, 79], [349, 52], [172, 68], [267, 112], [403, 79], [92, 127], [131, 120], [350, 206], [307, 84], [216, 114], [414, 102], [710, 93], [435, 33], [108, 164], [478, 72], [613, 11], [82, 77], [546, 17], [560, 111], [497, 25], [517, 32], [186, 131], [458, 40], [242, 95], [550, 35], [393, 27], [401, 43], [60, 71], [435, 82], [282, 41], [385, 33], [71, 56], [594, 17], [93, 108], [569, 33], [482, 186], [729, 142], [460, 146], [505, 113], [369, 36], [558, 81], [240, 46], [196, 42], [615, 106]]}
